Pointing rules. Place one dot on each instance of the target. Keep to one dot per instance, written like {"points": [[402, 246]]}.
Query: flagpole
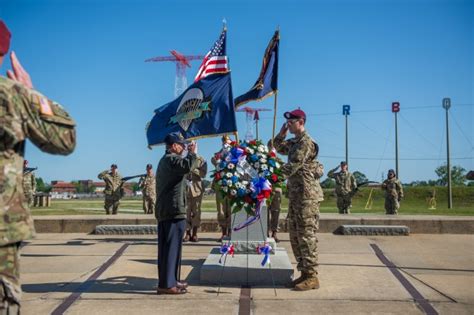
{"points": [[236, 134], [274, 116]]}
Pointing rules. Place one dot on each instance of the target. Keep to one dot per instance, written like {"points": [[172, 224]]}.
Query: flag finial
{"points": [[224, 24]]}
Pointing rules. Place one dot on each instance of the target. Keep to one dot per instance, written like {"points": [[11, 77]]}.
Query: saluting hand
{"points": [[284, 129], [192, 148], [19, 74]]}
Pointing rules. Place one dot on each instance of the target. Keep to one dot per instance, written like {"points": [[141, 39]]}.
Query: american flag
{"points": [[215, 60]]}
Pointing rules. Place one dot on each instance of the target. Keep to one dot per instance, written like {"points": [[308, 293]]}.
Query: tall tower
{"points": [[181, 61]]}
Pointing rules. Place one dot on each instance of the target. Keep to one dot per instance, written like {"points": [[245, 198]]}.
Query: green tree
{"points": [[328, 183], [360, 177], [457, 175], [41, 186]]}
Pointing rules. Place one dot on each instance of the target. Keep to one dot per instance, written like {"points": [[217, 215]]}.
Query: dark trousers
{"points": [[170, 237]]}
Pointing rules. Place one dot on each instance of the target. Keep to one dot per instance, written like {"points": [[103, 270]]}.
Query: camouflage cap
{"points": [[113, 166], [5, 36], [149, 166], [343, 163]]}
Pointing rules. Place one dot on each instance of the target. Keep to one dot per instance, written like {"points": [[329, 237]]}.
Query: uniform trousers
{"points": [[170, 236]]}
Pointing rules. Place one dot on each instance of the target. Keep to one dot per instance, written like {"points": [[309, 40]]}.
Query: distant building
{"points": [[62, 190]]}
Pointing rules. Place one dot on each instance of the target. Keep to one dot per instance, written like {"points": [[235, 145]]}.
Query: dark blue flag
{"points": [[205, 109], [267, 82]]}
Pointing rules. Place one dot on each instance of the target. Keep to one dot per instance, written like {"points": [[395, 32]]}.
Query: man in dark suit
{"points": [[171, 211]]}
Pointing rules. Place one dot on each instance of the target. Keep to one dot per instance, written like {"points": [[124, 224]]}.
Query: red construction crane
{"points": [[252, 114], [181, 61]]}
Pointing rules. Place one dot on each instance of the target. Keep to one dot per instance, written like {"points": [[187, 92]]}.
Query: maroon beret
{"points": [[4, 38], [297, 113]]}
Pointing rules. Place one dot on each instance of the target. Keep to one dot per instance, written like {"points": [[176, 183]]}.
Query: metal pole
{"points": [[396, 144], [347, 142], [450, 193], [256, 127], [274, 116]]}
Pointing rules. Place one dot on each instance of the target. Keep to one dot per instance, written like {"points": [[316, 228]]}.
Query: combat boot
{"points": [[299, 280], [310, 283]]}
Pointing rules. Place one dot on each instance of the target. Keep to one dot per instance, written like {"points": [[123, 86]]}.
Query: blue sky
{"points": [[89, 56]]}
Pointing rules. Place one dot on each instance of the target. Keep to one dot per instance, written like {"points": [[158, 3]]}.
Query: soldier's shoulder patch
{"points": [[45, 106]]}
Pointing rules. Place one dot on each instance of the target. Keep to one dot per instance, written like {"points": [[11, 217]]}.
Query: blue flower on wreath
{"points": [[234, 179], [272, 163], [241, 192], [253, 158], [267, 173], [223, 164]]}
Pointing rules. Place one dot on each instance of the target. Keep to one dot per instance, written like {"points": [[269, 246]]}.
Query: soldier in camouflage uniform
{"points": [[303, 208], [113, 191], [224, 211], [148, 186], [29, 184], [194, 194], [393, 193], [346, 186], [24, 113]]}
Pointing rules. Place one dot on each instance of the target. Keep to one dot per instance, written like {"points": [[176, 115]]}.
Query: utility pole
{"points": [[395, 110], [446, 106], [346, 111]]}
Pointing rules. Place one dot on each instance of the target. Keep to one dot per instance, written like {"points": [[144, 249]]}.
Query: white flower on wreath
{"points": [[250, 150], [256, 165], [222, 174], [261, 149], [265, 149], [245, 183], [264, 167], [263, 160], [228, 175], [277, 165], [224, 189], [229, 183], [230, 166], [233, 192], [270, 169]]}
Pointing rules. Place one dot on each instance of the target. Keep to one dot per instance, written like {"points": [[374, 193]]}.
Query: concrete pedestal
{"points": [[236, 273], [245, 267]]}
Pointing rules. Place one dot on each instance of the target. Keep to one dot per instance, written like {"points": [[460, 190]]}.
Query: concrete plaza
{"points": [[91, 274]]}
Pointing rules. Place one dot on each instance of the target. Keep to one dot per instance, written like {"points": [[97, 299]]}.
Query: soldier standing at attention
{"points": [[148, 186], [224, 211], [24, 113], [345, 187], [303, 207], [29, 184], [393, 193], [194, 194], [113, 191]]}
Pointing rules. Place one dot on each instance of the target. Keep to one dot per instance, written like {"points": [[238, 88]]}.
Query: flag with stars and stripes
{"points": [[215, 60]]}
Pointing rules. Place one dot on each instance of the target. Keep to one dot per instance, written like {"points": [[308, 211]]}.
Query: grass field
{"points": [[415, 202]]}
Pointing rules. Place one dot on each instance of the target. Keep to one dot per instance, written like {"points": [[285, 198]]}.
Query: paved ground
{"points": [[439, 270]]}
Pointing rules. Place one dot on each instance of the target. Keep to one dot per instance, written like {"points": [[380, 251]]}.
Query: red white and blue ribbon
{"points": [[252, 219], [266, 250], [226, 249]]}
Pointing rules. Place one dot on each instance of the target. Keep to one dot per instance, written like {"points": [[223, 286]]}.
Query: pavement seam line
{"points": [[89, 282], [245, 300], [417, 296], [429, 286]]}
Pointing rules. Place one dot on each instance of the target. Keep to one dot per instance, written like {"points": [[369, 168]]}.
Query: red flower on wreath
{"points": [[218, 175], [253, 142], [272, 153], [248, 199], [274, 178]]}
